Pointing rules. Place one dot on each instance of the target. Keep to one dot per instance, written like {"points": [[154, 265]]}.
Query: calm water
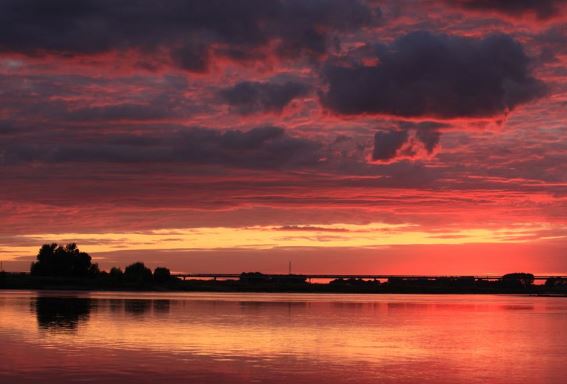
{"points": [[50, 337]]}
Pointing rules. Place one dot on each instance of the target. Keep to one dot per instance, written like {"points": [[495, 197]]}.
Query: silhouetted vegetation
{"points": [[253, 277], [116, 274], [66, 267], [138, 273], [257, 280], [68, 260], [518, 280], [354, 284], [556, 283], [509, 283], [162, 275]]}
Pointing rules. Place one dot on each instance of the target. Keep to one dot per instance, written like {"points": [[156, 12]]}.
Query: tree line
{"points": [[68, 261]]}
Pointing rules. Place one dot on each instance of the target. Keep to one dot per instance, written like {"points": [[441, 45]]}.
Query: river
{"points": [[117, 337]]}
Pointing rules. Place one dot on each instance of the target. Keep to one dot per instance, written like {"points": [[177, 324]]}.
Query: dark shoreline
{"points": [[65, 267], [27, 282], [317, 291]]}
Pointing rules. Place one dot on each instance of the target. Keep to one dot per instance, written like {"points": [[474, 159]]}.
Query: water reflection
{"points": [[242, 338], [66, 314], [136, 307], [161, 307], [61, 314]]}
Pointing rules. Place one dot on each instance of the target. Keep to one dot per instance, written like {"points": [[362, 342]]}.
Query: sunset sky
{"points": [[347, 136]]}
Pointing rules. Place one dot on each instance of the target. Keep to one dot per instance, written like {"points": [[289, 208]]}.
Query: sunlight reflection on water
{"points": [[66, 337]]}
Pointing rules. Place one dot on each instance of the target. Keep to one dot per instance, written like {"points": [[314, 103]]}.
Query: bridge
{"points": [[225, 276]]}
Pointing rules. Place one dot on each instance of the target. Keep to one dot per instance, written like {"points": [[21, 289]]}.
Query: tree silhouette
{"points": [[116, 273], [68, 260], [162, 275], [518, 280], [138, 273]]}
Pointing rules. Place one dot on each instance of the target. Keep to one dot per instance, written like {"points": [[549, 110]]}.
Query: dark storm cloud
{"points": [[253, 97], [70, 98], [192, 57], [551, 43], [542, 9], [429, 137], [424, 74], [387, 144], [7, 128], [188, 29], [427, 132], [265, 147], [130, 112]]}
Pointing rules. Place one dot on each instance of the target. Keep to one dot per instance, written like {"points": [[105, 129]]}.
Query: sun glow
{"points": [[267, 237]]}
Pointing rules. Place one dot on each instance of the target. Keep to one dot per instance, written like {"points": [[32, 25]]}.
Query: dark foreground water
{"points": [[54, 337]]}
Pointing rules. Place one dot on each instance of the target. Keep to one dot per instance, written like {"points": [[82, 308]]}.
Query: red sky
{"points": [[345, 135]]}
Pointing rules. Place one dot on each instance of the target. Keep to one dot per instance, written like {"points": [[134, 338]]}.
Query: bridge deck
{"points": [[343, 276]]}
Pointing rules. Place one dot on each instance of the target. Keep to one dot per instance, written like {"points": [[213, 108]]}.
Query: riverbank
{"points": [[28, 282]]}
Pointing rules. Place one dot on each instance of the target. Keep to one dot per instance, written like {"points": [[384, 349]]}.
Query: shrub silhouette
{"points": [[116, 274], [162, 275], [518, 280], [138, 273], [68, 260]]}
